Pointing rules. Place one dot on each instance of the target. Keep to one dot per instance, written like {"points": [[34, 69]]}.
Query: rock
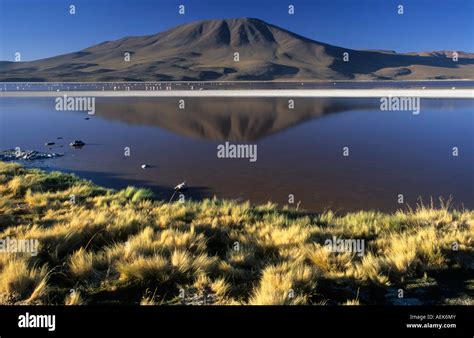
{"points": [[392, 297], [407, 301], [77, 144], [27, 155], [196, 297]]}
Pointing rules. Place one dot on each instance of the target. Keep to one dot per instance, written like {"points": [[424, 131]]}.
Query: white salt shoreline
{"points": [[290, 93]]}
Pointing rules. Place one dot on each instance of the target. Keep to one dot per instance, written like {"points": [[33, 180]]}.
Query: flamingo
{"points": [[179, 187]]}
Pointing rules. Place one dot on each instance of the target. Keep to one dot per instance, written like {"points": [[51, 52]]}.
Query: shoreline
{"points": [[315, 93], [157, 242], [240, 81]]}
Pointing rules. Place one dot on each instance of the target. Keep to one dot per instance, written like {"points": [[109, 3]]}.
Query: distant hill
{"points": [[204, 50]]}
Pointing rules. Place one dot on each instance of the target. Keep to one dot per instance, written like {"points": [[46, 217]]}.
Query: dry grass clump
{"points": [[352, 302], [85, 264], [20, 282], [369, 269], [115, 246], [74, 298], [285, 284], [328, 263], [155, 268]]}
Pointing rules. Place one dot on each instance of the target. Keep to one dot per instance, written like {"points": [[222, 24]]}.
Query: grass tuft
{"points": [[113, 246]]}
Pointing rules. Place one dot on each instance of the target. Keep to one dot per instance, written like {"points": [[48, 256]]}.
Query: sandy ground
{"points": [[355, 93]]}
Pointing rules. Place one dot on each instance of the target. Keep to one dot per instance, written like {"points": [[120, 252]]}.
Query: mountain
{"points": [[204, 50]]}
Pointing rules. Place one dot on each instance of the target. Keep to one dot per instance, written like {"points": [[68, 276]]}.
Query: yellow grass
{"points": [[124, 244]]}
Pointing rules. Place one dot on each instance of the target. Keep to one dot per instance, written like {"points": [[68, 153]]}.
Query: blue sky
{"points": [[43, 28]]}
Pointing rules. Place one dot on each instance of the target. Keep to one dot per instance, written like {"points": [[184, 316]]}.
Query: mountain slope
{"points": [[204, 50]]}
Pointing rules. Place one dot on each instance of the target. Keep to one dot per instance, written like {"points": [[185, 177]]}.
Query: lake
{"points": [[300, 150]]}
